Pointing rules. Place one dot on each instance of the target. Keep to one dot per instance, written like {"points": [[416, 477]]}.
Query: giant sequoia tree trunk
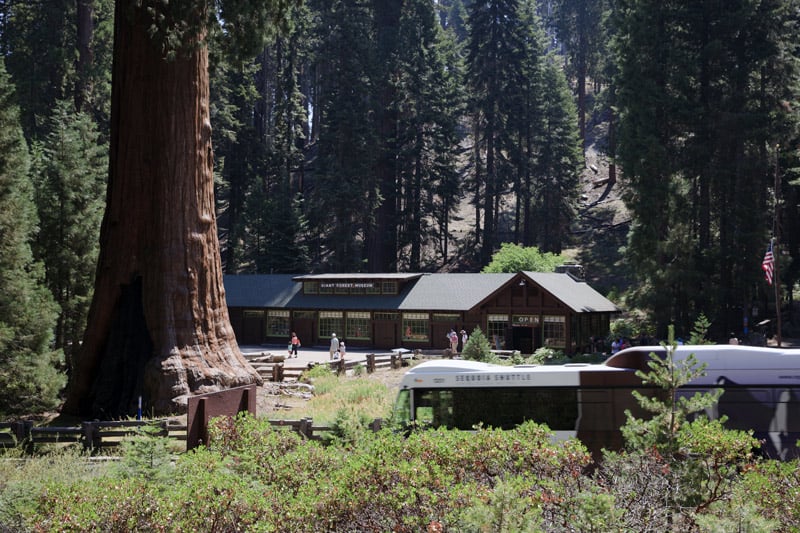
{"points": [[158, 325]]}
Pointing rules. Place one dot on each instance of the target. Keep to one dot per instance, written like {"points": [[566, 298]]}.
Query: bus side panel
{"points": [[772, 413], [604, 397]]}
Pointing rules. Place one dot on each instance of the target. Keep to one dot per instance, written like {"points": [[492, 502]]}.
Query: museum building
{"points": [[522, 311]]}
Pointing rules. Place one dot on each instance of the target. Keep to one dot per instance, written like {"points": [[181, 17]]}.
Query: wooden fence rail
{"points": [[92, 435], [306, 428], [281, 370], [103, 434]]}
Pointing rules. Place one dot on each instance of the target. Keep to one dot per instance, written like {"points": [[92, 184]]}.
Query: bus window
{"points": [[502, 408], [402, 407], [433, 408], [424, 415], [506, 408]]}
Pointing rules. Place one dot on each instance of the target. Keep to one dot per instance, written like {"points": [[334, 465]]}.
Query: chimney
{"points": [[574, 270]]}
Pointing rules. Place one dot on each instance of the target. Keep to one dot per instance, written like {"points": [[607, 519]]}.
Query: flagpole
{"points": [[776, 247], [777, 285]]}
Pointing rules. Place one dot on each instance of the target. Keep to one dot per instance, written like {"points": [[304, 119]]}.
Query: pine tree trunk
{"points": [[382, 236], [158, 325], [84, 25]]}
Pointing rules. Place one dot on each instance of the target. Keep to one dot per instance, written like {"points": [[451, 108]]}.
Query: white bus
{"points": [[588, 401]]}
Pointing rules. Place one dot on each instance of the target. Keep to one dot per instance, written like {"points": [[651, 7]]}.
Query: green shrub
{"points": [[316, 372], [24, 478], [544, 355], [256, 477], [477, 347], [146, 455], [503, 510], [774, 488]]}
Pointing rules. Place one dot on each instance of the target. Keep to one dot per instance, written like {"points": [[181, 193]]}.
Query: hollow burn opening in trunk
{"points": [[119, 378]]}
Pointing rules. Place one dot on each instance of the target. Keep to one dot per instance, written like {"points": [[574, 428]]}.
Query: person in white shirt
{"points": [[334, 344]]}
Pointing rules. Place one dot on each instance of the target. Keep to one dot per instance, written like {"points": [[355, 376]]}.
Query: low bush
{"points": [[253, 477]]}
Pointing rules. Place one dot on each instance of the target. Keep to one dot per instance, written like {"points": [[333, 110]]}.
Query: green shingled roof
{"points": [[575, 294], [452, 292], [430, 292]]}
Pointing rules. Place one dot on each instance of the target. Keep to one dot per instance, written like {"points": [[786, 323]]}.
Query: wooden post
{"points": [[305, 428], [277, 373], [90, 435], [370, 363], [22, 431]]}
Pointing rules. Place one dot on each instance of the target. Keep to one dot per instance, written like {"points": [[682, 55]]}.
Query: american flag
{"points": [[768, 264]]}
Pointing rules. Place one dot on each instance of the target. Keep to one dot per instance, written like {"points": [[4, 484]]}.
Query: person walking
{"points": [[342, 349], [453, 336], [464, 339], [334, 345], [294, 345]]}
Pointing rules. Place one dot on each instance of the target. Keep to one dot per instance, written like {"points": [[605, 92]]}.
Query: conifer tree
{"points": [[58, 50], [558, 162], [29, 377], [527, 123], [259, 116], [495, 59], [240, 153], [429, 106], [696, 455], [381, 233], [701, 93], [478, 347], [579, 28], [69, 175], [158, 326], [345, 193]]}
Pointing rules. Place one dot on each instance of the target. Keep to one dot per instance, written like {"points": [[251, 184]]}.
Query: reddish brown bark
{"points": [[158, 325]]}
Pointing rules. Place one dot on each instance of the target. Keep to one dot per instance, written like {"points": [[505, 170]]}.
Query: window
{"points": [[415, 327], [277, 323], [330, 322], [496, 326], [304, 315], [445, 317], [311, 287], [253, 314], [392, 317], [504, 408], [555, 331], [358, 288], [358, 326], [389, 287]]}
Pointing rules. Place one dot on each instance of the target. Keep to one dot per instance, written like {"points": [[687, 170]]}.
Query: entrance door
{"points": [[440, 336], [386, 335], [522, 339], [252, 329], [304, 328]]}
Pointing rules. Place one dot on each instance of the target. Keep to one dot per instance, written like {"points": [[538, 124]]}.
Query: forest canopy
{"points": [[419, 135]]}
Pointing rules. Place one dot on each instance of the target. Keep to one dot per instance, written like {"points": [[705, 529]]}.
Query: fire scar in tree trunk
{"points": [[158, 325]]}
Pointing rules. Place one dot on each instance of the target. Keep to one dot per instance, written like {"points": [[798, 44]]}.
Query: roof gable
{"points": [[453, 292], [577, 295]]}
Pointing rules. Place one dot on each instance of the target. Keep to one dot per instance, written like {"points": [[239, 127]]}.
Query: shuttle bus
{"points": [[588, 401]]}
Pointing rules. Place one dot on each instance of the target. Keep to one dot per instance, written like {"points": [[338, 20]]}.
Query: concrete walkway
{"points": [[305, 356]]}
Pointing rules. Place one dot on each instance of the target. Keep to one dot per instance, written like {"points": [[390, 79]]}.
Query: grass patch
{"points": [[368, 398], [364, 397]]}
